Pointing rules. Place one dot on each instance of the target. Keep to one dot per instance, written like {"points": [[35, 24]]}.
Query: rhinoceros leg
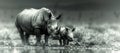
{"points": [[46, 39], [67, 42], [38, 37], [64, 42], [26, 36], [21, 32], [22, 36]]}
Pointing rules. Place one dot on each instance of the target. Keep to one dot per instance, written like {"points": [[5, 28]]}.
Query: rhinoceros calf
{"points": [[36, 22], [64, 35]]}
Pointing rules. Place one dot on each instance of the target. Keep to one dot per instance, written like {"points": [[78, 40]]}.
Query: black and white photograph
{"points": [[59, 26]]}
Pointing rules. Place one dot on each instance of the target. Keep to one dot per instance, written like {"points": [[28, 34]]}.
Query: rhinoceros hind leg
{"points": [[21, 32], [26, 36]]}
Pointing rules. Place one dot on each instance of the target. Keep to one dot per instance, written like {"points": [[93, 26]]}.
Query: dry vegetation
{"points": [[85, 35]]}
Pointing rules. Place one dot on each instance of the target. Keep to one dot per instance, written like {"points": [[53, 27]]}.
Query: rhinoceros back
{"points": [[28, 19]]}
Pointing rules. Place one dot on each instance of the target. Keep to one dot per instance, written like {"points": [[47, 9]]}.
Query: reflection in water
{"points": [[20, 50], [64, 51]]}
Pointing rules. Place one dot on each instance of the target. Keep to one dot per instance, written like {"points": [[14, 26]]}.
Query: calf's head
{"points": [[70, 33], [67, 33]]}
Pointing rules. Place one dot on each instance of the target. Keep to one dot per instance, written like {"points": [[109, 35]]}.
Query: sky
{"points": [[63, 4], [100, 11]]}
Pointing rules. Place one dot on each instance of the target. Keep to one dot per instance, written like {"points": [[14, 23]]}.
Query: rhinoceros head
{"points": [[52, 23], [70, 34], [51, 20]]}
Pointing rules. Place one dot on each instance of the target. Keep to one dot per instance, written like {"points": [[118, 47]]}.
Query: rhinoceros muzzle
{"points": [[70, 39]]}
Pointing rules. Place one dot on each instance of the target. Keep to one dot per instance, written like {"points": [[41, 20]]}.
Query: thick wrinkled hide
{"points": [[65, 35], [34, 22]]}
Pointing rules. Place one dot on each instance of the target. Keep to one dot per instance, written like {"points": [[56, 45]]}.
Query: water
{"points": [[36, 50]]}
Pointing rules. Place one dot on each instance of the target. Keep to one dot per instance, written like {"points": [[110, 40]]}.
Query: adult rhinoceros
{"points": [[36, 22]]}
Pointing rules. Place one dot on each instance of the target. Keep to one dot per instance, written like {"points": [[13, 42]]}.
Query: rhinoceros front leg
{"points": [[38, 36], [46, 39]]}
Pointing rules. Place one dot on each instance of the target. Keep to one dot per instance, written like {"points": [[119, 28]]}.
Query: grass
{"points": [[101, 35], [105, 35]]}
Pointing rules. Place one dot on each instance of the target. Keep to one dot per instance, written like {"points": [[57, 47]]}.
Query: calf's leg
{"points": [[67, 42], [64, 42], [60, 41]]}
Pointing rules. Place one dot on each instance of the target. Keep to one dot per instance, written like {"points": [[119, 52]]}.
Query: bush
{"points": [[97, 35]]}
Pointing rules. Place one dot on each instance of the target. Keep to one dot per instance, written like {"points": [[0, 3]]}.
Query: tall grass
{"points": [[101, 35], [85, 35]]}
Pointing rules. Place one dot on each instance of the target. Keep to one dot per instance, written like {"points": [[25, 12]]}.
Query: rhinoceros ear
{"points": [[59, 16], [50, 16]]}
